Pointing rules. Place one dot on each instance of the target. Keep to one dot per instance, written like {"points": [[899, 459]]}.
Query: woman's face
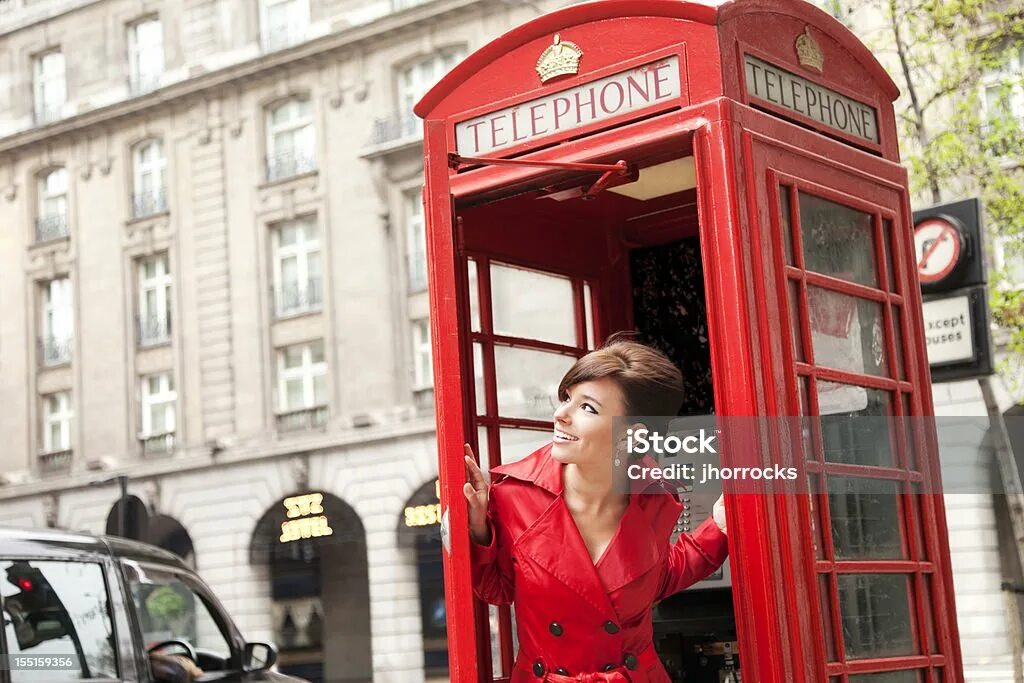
{"points": [[584, 422]]}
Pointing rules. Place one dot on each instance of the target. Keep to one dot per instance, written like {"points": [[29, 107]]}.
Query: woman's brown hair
{"points": [[650, 383]]}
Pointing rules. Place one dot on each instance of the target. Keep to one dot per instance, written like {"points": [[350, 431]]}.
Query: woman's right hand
{"points": [[476, 491]]}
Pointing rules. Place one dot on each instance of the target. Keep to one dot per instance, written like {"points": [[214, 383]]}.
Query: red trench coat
{"points": [[578, 621]]}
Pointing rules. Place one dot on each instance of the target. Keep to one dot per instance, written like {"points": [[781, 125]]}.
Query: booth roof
{"points": [[709, 12]]}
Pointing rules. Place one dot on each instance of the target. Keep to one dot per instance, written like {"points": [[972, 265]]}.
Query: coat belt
{"points": [[619, 674]]}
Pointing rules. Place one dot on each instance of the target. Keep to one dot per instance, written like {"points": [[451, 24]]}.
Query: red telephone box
{"points": [[725, 180]]}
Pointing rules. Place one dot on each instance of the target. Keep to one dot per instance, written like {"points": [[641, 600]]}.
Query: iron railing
{"points": [[305, 419], [149, 203], [153, 329], [281, 38], [397, 126], [55, 462], [55, 350], [157, 444], [51, 227], [288, 164], [140, 84], [298, 297]]}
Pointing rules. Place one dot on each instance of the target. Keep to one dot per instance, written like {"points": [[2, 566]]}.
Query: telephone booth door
{"points": [[765, 250]]}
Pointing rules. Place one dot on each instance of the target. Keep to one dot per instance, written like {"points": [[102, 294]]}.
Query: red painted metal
{"points": [[749, 155]]}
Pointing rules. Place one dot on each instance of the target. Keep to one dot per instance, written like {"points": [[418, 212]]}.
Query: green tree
{"points": [[960, 68]]}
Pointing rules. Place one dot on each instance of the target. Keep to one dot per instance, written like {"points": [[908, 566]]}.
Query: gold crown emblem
{"points": [[561, 58], [808, 52]]}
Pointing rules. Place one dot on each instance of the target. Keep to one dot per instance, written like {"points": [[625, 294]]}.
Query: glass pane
{"points": [[289, 272], [58, 608], [865, 518], [588, 305], [911, 676], [875, 613], [897, 329], [474, 297], [917, 502], [889, 254], [483, 451], [926, 581], [846, 332], [816, 501], [292, 356], [478, 379], [316, 351], [320, 390], [287, 234], [492, 620], [786, 224], [796, 320], [528, 381], [845, 436], [516, 444], [825, 600], [532, 305], [159, 413], [837, 240], [911, 426], [294, 395]]}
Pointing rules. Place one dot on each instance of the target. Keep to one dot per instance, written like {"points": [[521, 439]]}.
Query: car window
{"points": [[169, 607], [58, 609]]}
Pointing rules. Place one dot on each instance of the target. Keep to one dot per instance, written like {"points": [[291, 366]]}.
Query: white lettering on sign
{"points": [[770, 83], [947, 325], [620, 93]]}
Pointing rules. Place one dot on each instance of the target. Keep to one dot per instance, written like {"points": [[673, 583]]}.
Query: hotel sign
{"points": [[769, 83], [582, 105], [306, 518]]}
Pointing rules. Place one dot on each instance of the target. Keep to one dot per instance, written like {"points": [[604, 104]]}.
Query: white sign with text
{"points": [[600, 100], [947, 325]]}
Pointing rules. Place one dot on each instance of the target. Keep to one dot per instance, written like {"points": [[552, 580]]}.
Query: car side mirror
{"points": [[259, 656]]}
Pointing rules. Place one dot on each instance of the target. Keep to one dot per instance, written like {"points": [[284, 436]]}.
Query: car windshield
{"points": [[170, 607]]}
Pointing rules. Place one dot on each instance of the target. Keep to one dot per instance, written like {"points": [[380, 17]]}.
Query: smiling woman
{"points": [[582, 561]]}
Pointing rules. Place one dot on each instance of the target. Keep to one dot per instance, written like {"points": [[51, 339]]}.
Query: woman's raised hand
{"points": [[475, 489]]}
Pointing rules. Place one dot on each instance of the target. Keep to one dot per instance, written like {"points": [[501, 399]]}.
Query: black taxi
{"points": [[79, 607]]}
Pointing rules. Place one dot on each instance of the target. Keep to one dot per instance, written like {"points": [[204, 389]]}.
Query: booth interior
{"points": [[636, 245]]}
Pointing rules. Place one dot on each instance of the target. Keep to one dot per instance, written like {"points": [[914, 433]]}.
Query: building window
{"points": [[57, 323], [154, 314], [301, 386], [423, 374], [149, 188], [1010, 260], [50, 86], [413, 81], [146, 55], [1004, 88], [52, 211], [285, 23], [416, 242], [57, 416], [290, 139], [158, 416], [298, 284]]}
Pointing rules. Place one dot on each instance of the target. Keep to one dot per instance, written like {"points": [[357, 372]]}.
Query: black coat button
{"points": [[611, 627], [631, 662], [608, 667], [538, 668], [562, 671], [556, 629]]}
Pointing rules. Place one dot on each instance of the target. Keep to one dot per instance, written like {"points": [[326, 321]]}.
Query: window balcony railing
{"points": [[298, 297], [288, 164], [157, 444], [399, 5], [55, 462], [1003, 138], [51, 227], [55, 350], [45, 114], [149, 203], [397, 126], [153, 329], [305, 419]]}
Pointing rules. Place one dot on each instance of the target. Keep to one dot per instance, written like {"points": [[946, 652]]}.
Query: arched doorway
{"points": [[420, 529], [314, 547], [162, 531]]}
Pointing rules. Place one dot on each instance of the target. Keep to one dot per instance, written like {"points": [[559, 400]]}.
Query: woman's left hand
{"points": [[718, 512]]}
